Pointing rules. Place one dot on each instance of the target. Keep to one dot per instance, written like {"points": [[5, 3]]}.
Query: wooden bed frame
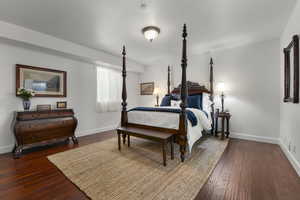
{"points": [[185, 88]]}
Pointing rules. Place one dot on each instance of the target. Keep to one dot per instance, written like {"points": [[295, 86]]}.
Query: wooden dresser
{"points": [[35, 128]]}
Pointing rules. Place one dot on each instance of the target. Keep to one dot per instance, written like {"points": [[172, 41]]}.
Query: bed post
{"points": [[182, 139], [124, 94], [211, 97], [169, 80]]}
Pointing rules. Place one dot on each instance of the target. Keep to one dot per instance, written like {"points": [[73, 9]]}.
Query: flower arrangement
{"points": [[25, 94]]}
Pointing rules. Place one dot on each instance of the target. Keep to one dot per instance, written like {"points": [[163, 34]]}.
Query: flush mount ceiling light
{"points": [[150, 32]]}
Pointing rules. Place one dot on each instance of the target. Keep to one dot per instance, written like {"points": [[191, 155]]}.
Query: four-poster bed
{"points": [[183, 130]]}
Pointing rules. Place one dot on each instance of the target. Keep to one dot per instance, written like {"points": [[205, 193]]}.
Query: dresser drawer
{"points": [[44, 124], [40, 136], [32, 115]]}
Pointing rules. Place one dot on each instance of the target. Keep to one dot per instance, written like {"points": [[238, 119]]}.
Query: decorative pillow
{"points": [[195, 101], [175, 103], [206, 103], [166, 101], [175, 97]]}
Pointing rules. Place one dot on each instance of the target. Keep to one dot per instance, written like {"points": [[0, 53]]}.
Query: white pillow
{"points": [[175, 103], [206, 103]]}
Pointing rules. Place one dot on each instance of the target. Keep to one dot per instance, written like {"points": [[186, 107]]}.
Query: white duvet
{"points": [[171, 120]]}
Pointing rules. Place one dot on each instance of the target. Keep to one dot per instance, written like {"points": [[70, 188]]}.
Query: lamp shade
{"points": [[156, 91], [150, 32], [221, 87]]}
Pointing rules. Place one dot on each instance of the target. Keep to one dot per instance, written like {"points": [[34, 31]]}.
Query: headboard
{"points": [[193, 88]]}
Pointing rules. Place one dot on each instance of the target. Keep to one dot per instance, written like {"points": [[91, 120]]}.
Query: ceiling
{"points": [[108, 24]]}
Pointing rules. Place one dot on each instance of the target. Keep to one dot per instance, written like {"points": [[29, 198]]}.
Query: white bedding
{"points": [[171, 120]]}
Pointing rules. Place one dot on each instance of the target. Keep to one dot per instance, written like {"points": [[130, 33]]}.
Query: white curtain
{"points": [[109, 88]]}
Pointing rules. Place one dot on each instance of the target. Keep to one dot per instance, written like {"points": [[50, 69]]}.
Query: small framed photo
{"points": [[61, 104], [43, 107], [147, 88]]}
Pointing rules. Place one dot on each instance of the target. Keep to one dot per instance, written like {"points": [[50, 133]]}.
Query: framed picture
{"points": [[43, 107], [147, 88], [45, 82], [291, 71], [61, 104]]}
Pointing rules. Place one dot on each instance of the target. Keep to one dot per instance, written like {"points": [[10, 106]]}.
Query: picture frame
{"points": [[45, 82], [291, 71], [43, 107], [61, 104], [147, 88]]}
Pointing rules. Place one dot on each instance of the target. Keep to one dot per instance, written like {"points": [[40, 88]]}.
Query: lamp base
{"points": [[222, 101]]}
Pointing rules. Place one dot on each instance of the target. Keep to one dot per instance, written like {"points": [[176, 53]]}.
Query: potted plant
{"points": [[26, 94]]}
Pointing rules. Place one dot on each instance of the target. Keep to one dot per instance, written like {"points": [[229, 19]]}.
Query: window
{"points": [[109, 83]]}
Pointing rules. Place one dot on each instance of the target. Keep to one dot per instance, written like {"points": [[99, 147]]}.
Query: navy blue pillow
{"points": [[195, 101], [166, 101]]}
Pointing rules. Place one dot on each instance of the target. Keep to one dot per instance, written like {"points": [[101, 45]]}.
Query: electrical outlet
{"points": [[294, 149], [289, 147]]}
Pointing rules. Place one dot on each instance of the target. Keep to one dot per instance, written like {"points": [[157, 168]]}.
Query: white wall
{"points": [[289, 112], [81, 87], [251, 75]]}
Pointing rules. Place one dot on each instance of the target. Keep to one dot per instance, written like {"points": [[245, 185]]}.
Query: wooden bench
{"points": [[157, 136]]}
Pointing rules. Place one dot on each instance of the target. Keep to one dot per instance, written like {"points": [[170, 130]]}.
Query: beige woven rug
{"points": [[135, 173]]}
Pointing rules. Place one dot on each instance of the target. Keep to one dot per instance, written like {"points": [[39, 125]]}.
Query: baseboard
{"points": [[6, 149], [254, 138], [290, 157], [9, 148], [94, 131]]}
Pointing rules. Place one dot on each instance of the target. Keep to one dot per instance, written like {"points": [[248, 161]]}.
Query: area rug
{"points": [[137, 172]]}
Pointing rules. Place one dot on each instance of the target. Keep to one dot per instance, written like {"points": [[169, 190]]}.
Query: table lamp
{"points": [[156, 93], [221, 88]]}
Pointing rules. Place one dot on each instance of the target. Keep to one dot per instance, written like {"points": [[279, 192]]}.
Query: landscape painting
{"points": [[45, 82], [147, 88]]}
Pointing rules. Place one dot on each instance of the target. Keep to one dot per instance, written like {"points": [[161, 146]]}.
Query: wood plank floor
{"points": [[247, 171]]}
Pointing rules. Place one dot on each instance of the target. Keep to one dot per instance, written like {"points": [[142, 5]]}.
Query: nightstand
{"points": [[224, 116]]}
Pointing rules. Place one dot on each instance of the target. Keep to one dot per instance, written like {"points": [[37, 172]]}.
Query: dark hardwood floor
{"points": [[247, 170]]}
